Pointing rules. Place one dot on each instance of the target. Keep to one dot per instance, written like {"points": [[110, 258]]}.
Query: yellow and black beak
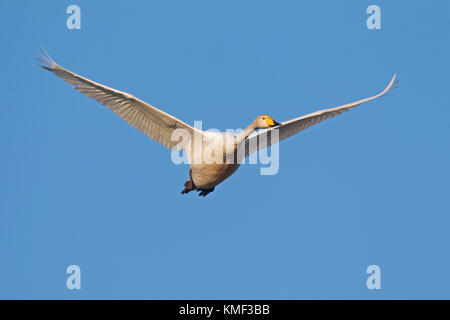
{"points": [[272, 123], [276, 124]]}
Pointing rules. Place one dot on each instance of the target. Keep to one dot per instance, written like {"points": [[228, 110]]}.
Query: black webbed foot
{"points": [[205, 192]]}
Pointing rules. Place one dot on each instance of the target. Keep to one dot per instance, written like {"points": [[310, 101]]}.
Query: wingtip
{"points": [[45, 58], [391, 83], [394, 77]]}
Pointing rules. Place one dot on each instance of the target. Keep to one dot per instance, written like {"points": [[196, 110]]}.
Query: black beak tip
{"points": [[276, 124]]}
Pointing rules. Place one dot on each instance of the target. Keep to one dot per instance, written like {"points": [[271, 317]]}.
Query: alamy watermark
{"points": [[73, 281], [234, 146], [74, 20], [374, 20], [374, 280]]}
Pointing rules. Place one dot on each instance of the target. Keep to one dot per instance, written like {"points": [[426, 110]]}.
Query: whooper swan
{"points": [[204, 175]]}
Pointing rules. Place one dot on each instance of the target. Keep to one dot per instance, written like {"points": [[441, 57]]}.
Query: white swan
{"points": [[160, 126]]}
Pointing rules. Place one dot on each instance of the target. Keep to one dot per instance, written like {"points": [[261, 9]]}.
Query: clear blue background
{"points": [[80, 186]]}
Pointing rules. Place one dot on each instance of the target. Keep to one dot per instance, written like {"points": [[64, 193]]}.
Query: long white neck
{"points": [[245, 133]]}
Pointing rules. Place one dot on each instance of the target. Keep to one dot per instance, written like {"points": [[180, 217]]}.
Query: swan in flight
{"points": [[162, 127]]}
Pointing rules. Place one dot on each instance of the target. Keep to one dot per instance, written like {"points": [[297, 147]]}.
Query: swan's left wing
{"points": [[291, 127]]}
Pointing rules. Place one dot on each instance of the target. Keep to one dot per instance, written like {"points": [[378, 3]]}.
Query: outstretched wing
{"points": [[291, 127], [155, 123]]}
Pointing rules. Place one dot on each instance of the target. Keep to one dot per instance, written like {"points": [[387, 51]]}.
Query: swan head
{"points": [[265, 121]]}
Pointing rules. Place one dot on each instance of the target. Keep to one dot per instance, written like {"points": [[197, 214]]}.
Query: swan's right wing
{"points": [[291, 127], [155, 123]]}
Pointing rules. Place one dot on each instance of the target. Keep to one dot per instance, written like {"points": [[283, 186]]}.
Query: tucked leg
{"points": [[189, 185]]}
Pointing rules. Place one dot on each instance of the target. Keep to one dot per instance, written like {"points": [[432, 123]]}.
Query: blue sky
{"points": [[80, 186]]}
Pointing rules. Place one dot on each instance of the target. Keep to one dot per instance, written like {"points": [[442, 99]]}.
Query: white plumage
{"points": [[160, 126]]}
